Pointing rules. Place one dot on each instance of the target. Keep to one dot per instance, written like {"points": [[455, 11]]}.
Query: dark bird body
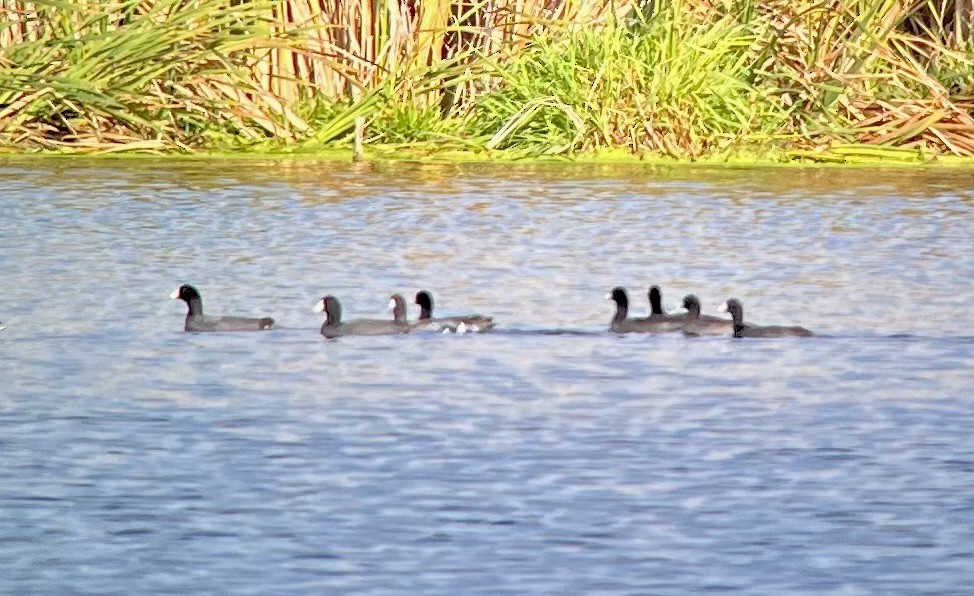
{"points": [[459, 324], [742, 329], [335, 327], [661, 321], [196, 321], [621, 323], [697, 324]]}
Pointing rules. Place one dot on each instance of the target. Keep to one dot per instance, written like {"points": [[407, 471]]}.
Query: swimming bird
{"points": [[397, 304], [335, 327], [621, 323], [458, 324], [742, 329], [195, 321], [697, 324], [663, 321]]}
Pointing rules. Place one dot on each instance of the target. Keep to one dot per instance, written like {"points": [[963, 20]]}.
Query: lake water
{"points": [[137, 459]]}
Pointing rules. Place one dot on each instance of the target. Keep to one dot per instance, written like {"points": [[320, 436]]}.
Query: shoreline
{"points": [[844, 156]]}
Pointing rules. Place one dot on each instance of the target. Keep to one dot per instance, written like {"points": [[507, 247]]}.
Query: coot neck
{"points": [[622, 311], [195, 307], [399, 314], [656, 303], [738, 315], [333, 314]]}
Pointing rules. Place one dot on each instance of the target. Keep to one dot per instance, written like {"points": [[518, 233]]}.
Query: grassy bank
{"points": [[837, 80]]}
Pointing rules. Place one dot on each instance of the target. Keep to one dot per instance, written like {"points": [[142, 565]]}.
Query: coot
{"points": [[195, 321], [335, 327], [459, 324], [397, 304], [742, 329], [622, 324], [697, 324]]}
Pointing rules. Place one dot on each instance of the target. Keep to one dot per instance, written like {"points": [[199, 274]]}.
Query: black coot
{"points": [[742, 329], [459, 324], [663, 321], [621, 323], [335, 327], [698, 324], [195, 321]]}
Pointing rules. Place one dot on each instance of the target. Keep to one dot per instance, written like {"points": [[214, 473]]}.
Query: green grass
{"points": [[833, 80], [668, 85], [175, 76]]}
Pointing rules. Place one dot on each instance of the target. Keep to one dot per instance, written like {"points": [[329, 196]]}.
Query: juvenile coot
{"points": [[742, 329], [622, 324], [335, 327], [459, 324], [195, 321], [697, 324]]}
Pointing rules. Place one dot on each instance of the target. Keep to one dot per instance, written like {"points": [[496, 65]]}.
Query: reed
{"points": [[880, 72], [667, 84], [684, 78], [147, 76]]}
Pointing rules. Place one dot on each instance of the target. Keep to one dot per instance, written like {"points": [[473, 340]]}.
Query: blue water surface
{"points": [[136, 458]]}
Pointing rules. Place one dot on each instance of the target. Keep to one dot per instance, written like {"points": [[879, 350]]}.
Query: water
{"points": [[135, 458]]}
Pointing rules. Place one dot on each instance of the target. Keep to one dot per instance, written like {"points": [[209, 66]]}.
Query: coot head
{"points": [[332, 309], [736, 310], [191, 297], [619, 296], [185, 292], [692, 304], [425, 301], [397, 304]]}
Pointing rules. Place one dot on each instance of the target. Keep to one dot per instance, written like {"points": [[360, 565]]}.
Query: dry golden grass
{"points": [[342, 45], [174, 74]]}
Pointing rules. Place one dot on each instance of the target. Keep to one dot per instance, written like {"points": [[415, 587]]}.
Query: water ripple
{"points": [[547, 457]]}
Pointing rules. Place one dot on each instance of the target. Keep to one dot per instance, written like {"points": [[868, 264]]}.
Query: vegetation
{"points": [[825, 80]]}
